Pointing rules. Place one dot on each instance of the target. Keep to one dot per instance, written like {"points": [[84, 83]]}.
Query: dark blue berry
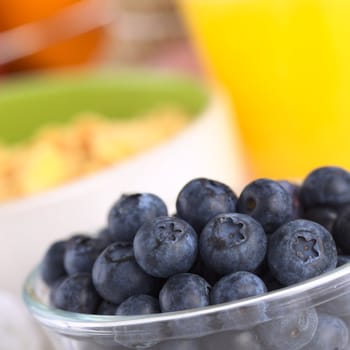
{"points": [[299, 250], [130, 212], [324, 216], [235, 286], [106, 308], [165, 246], [184, 291], [53, 287], [232, 242], [202, 199], [291, 332], [267, 202], [326, 186], [341, 230], [52, 267], [81, 253], [117, 276], [76, 294], [138, 305], [293, 190], [331, 334]]}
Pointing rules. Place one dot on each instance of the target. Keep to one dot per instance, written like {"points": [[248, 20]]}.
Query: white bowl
{"points": [[206, 148]]}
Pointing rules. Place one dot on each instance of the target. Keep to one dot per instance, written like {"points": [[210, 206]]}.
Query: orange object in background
{"points": [[286, 67], [52, 33]]}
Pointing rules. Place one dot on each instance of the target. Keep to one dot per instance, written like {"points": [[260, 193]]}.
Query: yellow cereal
{"points": [[90, 142], [43, 166]]}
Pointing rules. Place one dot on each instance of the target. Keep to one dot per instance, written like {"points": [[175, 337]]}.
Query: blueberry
{"points": [[326, 186], [324, 216], [267, 202], [53, 288], [341, 230], [291, 332], [138, 305], [52, 267], [106, 308], [293, 190], [184, 291], [232, 242], [235, 286], [165, 246], [76, 294], [81, 253], [331, 333], [299, 250], [130, 212], [117, 276], [202, 199]]}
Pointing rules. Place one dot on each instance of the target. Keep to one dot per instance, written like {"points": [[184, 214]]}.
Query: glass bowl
{"points": [[288, 318]]}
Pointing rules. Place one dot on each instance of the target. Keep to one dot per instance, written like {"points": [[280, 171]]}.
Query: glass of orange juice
{"points": [[286, 67]]}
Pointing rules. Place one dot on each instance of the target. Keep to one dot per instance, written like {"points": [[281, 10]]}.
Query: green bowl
{"points": [[30, 102]]}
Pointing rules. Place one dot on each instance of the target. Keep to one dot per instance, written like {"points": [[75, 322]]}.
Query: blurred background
{"points": [[234, 90], [71, 33]]}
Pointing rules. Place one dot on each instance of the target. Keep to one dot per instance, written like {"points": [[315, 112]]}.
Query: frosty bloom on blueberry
{"points": [[81, 251], [326, 186], [165, 246], [268, 202], [233, 242], [52, 267], [236, 286], [116, 275], [299, 250], [141, 304], [184, 291], [77, 294], [201, 199], [130, 212]]}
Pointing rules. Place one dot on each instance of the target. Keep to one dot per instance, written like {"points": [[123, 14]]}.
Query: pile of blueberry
{"points": [[218, 247]]}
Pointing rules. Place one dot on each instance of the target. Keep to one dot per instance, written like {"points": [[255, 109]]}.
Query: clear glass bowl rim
{"points": [[313, 292]]}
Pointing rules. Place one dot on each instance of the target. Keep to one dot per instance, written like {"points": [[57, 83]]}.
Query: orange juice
{"points": [[286, 67]]}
